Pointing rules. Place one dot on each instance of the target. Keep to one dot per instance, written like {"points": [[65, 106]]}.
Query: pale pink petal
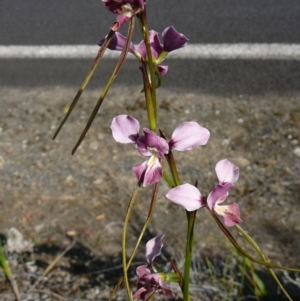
{"points": [[142, 270], [188, 135], [187, 196], [153, 248], [125, 129], [230, 214], [227, 172]]}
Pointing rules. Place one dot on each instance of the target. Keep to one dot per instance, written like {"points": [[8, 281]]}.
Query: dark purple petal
{"points": [[163, 69], [117, 43], [187, 196], [218, 195], [116, 6], [188, 135], [155, 45], [143, 293], [156, 143], [113, 6], [172, 39], [227, 172], [120, 20], [141, 49], [125, 129], [142, 147], [153, 248], [140, 3]]}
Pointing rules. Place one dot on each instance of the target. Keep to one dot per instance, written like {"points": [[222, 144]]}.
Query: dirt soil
{"points": [[46, 193]]}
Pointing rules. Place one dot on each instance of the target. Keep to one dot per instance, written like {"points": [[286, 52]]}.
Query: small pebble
{"points": [[296, 151]]}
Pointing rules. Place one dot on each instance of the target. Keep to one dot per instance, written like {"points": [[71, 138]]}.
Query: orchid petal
{"points": [[141, 49], [218, 195], [142, 270], [155, 45], [148, 174], [153, 248], [125, 129], [163, 69], [166, 290], [153, 173], [172, 39], [187, 196], [142, 147], [120, 20], [118, 42], [155, 142], [188, 135], [230, 214], [140, 170], [143, 293], [227, 172]]}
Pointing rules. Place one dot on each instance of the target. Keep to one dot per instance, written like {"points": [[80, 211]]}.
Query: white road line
{"points": [[241, 51]]}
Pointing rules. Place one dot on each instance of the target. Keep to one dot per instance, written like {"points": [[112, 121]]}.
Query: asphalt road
{"points": [[40, 22]]}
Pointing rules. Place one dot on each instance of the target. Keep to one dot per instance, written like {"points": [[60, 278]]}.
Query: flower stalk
{"points": [[191, 216]]}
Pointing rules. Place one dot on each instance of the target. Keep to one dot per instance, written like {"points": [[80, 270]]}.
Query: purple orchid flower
{"points": [[151, 282], [191, 199], [227, 174], [172, 40], [125, 129], [125, 9]]}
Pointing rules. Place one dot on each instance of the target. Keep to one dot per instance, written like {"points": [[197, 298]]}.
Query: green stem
{"points": [[191, 216], [262, 255], [173, 168], [145, 32], [124, 236], [243, 252], [148, 97], [168, 179], [150, 212]]}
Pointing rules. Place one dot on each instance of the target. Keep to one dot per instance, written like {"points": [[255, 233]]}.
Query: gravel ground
{"points": [[47, 193]]}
